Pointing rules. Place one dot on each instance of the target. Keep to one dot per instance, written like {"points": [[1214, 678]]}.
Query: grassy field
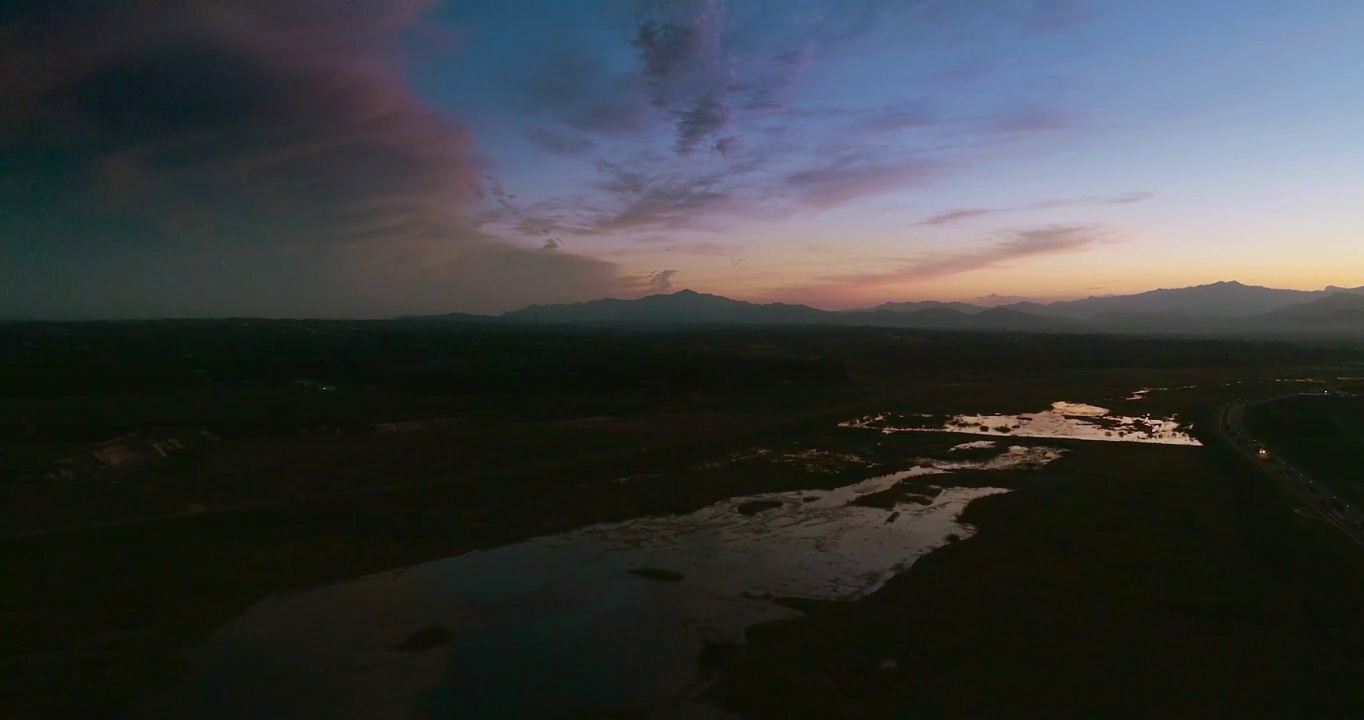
{"points": [[89, 619], [1322, 435], [1127, 581], [1123, 577]]}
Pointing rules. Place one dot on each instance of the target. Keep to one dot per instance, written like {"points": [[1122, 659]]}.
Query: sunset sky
{"points": [[346, 158]]}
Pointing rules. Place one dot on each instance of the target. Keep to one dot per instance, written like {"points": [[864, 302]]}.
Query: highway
{"points": [[1231, 425]]}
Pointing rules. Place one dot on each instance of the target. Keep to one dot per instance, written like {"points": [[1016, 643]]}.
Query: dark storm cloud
{"points": [[204, 157]]}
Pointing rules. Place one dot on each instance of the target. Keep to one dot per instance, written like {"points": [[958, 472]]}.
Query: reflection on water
{"points": [[610, 616], [1075, 421]]}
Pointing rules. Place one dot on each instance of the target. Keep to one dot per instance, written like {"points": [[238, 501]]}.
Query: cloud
{"points": [[1089, 201], [955, 215], [728, 147], [995, 299], [1131, 198], [559, 143], [662, 280], [629, 198], [683, 64], [855, 175], [706, 117], [703, 248], [669, 49], [1018, 245], [197, 157], [952, 216], [803, 57], [635, 197], [645, 201], [551, 244], [917, 114], [574, 87], [727, 78]]}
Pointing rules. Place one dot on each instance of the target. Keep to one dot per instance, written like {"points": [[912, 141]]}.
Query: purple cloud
{"points": [[854, 175], [559, 143], [955, 215], [631, 198], [727, 146], [706, 117], [952, 216], [1017, 245], [703, 248]]}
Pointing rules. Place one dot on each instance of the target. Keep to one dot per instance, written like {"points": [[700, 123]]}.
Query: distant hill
{"points": [[1337, 312], [453, 317], [682, 307], [935, 317], [1222, 299], [915, 306], [1027, 306], [1217, 308], [1011, 318]]}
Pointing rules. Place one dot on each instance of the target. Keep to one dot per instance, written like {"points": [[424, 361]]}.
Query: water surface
{"points": [[1064, 420], [620, 615]]}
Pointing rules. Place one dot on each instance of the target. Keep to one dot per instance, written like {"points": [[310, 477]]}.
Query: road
{"points": [[1347, 519]]}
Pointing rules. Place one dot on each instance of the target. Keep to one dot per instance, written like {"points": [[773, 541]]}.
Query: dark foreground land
{"points": [[1123, 580], [1321, 433]]}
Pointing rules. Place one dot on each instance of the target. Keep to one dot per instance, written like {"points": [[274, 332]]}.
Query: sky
{"points": [[349, 158]]}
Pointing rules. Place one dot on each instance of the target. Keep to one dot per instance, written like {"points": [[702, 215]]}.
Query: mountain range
{"points": [[1218, 309]]}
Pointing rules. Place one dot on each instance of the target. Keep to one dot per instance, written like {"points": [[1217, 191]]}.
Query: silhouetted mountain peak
{"points": [[1228, 306], [918, 305]]}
